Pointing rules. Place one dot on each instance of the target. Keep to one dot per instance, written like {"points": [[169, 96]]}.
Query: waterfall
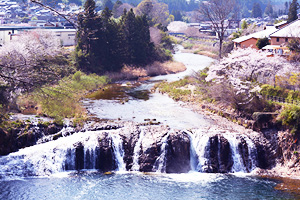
{"points": [[118, 151], [238, 165], [136, 151], [160, 163], [199, 145], [78, 151], [200, 152]]}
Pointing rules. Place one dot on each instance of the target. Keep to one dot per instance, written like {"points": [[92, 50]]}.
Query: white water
{"points": [[199, 143], [238, 165], [58, 155], [119, 152], [136, 151], [200, 146], [160, 163]]}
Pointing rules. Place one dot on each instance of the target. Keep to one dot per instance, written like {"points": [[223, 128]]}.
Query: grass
{"points": [[63, 100], [176, 90]]}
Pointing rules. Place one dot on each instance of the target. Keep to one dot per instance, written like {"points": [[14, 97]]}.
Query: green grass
{"points": [[62, 100]]}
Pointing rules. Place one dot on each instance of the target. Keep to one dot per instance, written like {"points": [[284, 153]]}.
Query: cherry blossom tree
{"points": [[248, 65], [236, 77], [30, 60]]}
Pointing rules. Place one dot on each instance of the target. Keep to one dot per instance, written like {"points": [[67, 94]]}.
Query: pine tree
{"points": [[269, 9], [256, 10], [292, 15], [85, 37]]}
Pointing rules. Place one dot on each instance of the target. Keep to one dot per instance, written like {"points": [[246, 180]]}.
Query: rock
{"points": [[219, 155], [178, 153], [105, 160]]}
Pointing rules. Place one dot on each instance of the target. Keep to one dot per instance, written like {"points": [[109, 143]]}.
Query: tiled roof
{"points": [[257, 35], [291, 30]]}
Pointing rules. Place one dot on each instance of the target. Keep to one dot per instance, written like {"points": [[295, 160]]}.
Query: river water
{"points": [[90, 184]]}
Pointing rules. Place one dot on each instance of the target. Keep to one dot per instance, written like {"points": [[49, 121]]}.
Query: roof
{"points": [[280, 23], [261, 34], [271, 47], [291, 30]]}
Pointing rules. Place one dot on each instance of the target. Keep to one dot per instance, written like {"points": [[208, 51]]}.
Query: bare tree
{"points": [[218, 12]]}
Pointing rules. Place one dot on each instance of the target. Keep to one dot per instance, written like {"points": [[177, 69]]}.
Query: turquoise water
{"points": [[93, 185]]}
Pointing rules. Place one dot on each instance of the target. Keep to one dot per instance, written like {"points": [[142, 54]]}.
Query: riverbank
{"points": [[285, 156], [142, 73]]}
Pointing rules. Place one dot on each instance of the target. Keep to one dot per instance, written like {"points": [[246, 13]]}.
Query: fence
{"points": [[282, 100]]}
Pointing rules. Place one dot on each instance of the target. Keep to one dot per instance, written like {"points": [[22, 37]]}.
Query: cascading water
{"points": [[199, 144], [118, 151], [238, 165], [136, 151], [160, 163], [202, 158], [76, 152]]}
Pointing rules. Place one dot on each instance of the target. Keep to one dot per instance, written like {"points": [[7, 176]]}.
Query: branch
{"points": [[55, 11]]}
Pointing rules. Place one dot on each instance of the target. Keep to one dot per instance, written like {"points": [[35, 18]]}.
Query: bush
{"points": [[290, 116]]}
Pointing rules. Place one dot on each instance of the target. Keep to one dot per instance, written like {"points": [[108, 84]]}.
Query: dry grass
{"points": [[156, 68]]}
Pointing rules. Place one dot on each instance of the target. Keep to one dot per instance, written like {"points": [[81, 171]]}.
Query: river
{"points": [[91, 184]]}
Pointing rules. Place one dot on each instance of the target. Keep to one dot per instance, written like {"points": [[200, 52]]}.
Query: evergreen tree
{"points": [[107, 3], [269, 10], [85, 37], [256, 10], [292, 15], [244, 25], [110, 46], [286, 8]]}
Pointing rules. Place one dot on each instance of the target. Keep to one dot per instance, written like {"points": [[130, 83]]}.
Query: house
{"points": [[66, 36], [284, 35], [251, 40]]}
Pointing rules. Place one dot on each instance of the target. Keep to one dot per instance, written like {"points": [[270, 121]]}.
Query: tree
{"points": [[247, 65], [256, 10], [292, 15], [244, 25], [87, 27], [261, 42], [217, 12], [108, 4], [269, 10], [29, 61], [157, 13]]}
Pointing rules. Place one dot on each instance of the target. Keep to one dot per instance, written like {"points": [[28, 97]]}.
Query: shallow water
{"points": [[126, 103], [93, 185]]}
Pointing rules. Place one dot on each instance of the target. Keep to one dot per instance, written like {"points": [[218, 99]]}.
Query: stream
{"points": [[47, 171]]}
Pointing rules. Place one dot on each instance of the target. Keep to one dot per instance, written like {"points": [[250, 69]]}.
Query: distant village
{"points": [[18, 17]]}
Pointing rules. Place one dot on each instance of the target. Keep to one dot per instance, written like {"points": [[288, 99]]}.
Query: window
{"points": [[277, 39], [286, 39]]}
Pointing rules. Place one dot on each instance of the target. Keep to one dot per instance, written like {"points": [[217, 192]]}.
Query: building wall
{"points": [[279, 40], [248, 43], [67, 38]]}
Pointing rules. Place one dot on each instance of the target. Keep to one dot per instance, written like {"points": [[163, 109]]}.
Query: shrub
{"points": [[290, 116]]}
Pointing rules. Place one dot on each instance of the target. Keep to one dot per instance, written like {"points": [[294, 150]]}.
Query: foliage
{"points": [[269, 10], [29, 61], [294, 45], [256, 10], [245, 65], [244, 25], [292, 14], [106, 44], [156, 12], [290, 116], [62, 100], [261, 42]]}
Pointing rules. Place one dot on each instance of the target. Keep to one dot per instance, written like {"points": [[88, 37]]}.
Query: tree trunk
{"points": [[220, 48]]}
